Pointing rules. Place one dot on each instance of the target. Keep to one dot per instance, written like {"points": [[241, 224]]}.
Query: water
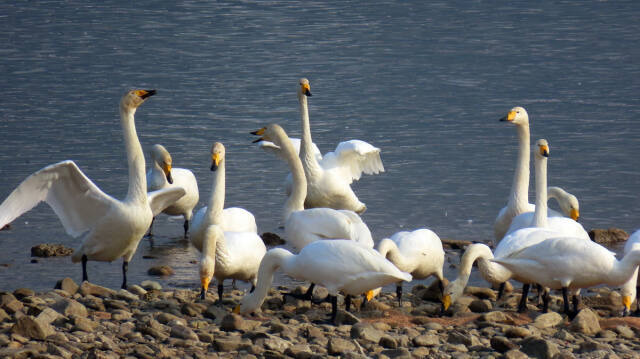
{"points": [[424, 81]]}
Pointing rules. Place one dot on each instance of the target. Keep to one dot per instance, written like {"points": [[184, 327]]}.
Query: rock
{"points": [[163, 270], [3, 316], [69, 307], [50, 250], [388, 342], [481, 306], [137, 290], [344, 317], [495, 317], [229, 344], [432, 292], [182, 332], [48, 316], [34, 328], [151, 285], [538, 348], [126, 295], [232, 322], [456, 337], [548, 320], [608, 236], [299, 351], [586, 322], [87, 288], [21, 293], [276, 344], [152, 327], [84, 324], [366, 332], [272, 239], [215, 313], [625, 332], [426, 340], [68, 285], [515, 354], [400, 353], [517, 332], [192, 309], [10, 303], [168, 318], [455, 243], [339, 346], [120, 315], [481, 292], [502, 344]]}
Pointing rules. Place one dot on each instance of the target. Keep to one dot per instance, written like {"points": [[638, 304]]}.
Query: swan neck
{"points": [[271, 261], [520, 187], [472, 253], [625, 268], [540, 216], [309, 161], [389, 250], [135, 157], [216, 201], [295, 202]]}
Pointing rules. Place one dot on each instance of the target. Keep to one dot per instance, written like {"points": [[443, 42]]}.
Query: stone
{"points": [[495, 317], [48, 316], [339, 346], [192, 309], [400, 353], [481, 306], [151, 285], [426, 340], [137, 290], [515, 354], [366, 332], [502, 344], [126, 295], [69, 307], [182, 332], [31, 327], [232, 322], [517, 332], [215, 313], [548, 320], [586, 322], [50, 250], [229, 344], [608, 236], [344, 317], [4, 316], [457, 337], [299, 351], [21, 293], [481, 292], [166, 318], [538, 348], [272, 239], [162, 270], [388, 342], [84, 324], [276, 344], [120, 315], [625, 332], [87, 288], [68, 285], [10, 303]]}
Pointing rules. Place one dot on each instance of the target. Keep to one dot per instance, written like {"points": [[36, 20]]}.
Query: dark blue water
{"points": [[424, 81]]}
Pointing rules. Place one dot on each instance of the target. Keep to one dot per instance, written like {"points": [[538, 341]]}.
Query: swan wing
{"points": [[77, 201], [163, 198], [304, 227], [238, 219], [354, 157]]}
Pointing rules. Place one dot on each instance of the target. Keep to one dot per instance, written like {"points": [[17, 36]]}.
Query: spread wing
{"points": [[163, 198], [354, 157]]}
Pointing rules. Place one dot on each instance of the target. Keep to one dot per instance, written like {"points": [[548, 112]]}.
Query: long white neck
{"points": [[309, 162], [622, 270], [271, 261], [137, 191], [213, 214], [540, 215], [389, 250], [519, 198], [295, 202]]}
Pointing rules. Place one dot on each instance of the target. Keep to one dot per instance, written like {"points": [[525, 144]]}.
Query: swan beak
{"points": [[215, 161], [144, 94], [626, 301], [306, 89], [575, 214], [260, 132], [544, 151], [446, 301], [369, 295], [509, 117], [236, 310], [166, 168], [204, 281]]}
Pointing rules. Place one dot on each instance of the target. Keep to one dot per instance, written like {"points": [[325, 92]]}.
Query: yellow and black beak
{"points": [[236, 310], [626, 302], [306, 89], [446, 301], [575, 214], [544, 151], [260, 132], [166, 168], [509, 117], [215, 161], [144, 94]]}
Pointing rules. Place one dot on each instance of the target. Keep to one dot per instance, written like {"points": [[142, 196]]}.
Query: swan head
{"points": [[568, 203], [452, 292], [543, 148], [518, 116], [162, 158], [134, 98], [303, 88], [217, 155], [207, 267], [272, 132]]}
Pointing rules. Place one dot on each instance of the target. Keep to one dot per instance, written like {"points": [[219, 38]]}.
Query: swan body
{"points": [[338, 265], [110, 228], [237, 254], [163, 175], [234, 219], [570, 208], [418, 252], [304, 226], [630, 287], [329, 178]]}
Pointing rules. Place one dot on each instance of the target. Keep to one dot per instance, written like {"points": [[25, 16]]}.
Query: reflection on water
{"points": [[424, 81]]}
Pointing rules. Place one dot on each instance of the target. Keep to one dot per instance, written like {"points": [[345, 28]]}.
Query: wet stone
{"points": [[68, 285], [50, 250]]}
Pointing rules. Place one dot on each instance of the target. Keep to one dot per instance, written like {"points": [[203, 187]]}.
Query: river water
{"points": [[424, 81]]}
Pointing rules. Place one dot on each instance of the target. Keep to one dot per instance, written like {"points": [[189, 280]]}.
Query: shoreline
{"points": [[91, 321]]}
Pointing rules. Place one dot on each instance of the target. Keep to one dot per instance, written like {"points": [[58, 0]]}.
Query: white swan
{"points": [[570, 263], [338, 265], [630, 288], [518, 202], [418, 252], [304, 226], [329, 178], [237, 254], [568, 203], [163, 175], [112, 228]]}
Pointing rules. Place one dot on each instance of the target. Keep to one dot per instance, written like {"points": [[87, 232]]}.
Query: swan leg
{"points": [[186, 228], [306, 296], [347, 302], [234, 286], [546, 297], [399, 294], [220, 290], [125, 267], [540, 291], [84, 268], [576, 303], [565, 297], [203, 293], [149, 233], [501, 290], [441, 287], [253, 287], [522, 306], [334, 307]]}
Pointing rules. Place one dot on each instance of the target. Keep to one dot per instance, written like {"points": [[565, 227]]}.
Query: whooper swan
{"points": [[163, 175], [237, 254], [570, 263], [630, 288], [338, 265], [418, 252], [111, 228], [518, 202]]}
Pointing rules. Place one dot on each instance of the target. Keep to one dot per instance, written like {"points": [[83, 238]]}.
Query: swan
{"points": [[162, 175], [338, 265], [228, 254], [418, 252], [110, 228], [329, 178], [570, 263], [304, 226], [518, 202], [629, 288]]}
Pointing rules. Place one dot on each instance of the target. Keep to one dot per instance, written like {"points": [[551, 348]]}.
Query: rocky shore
{"points": [[145, 321]]}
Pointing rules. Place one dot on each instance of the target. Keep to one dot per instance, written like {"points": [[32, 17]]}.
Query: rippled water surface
{"points": [[424, 81]]}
